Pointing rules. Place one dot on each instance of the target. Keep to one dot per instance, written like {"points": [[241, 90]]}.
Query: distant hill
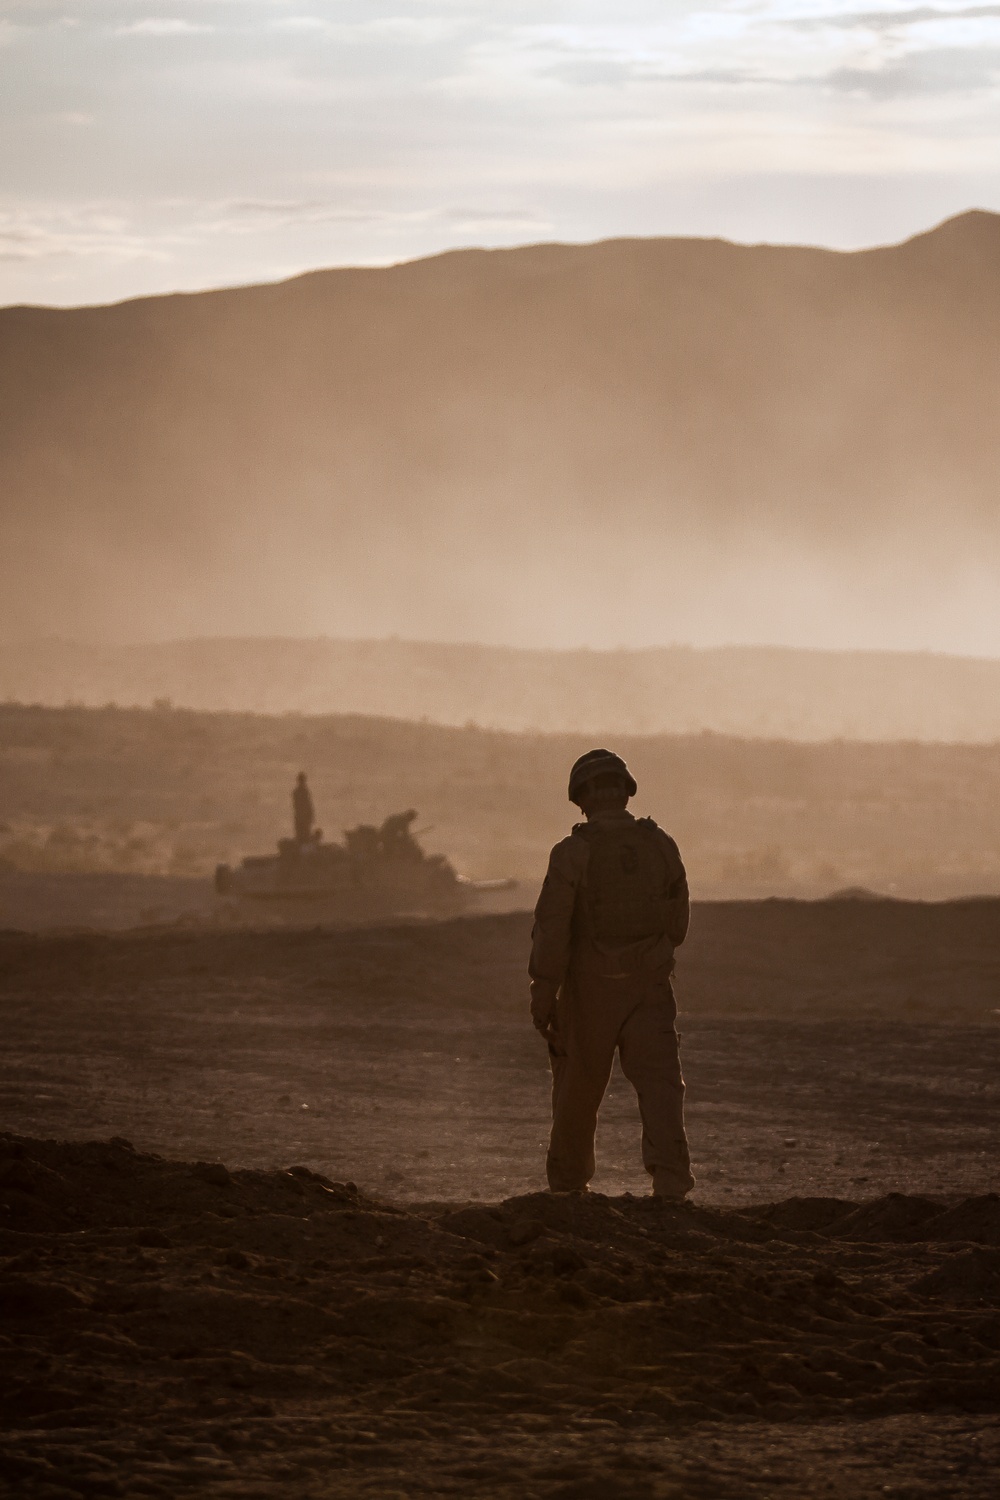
{"points": [[171, 792], [748, 691], [628, 442]]}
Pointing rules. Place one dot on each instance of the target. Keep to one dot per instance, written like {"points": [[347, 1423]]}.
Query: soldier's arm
{"points": [[552, 933], [678, 898]]}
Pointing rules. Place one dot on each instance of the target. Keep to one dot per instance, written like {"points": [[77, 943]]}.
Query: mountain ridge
{"points": [[751, 692], [969, 222], [631, 440]]}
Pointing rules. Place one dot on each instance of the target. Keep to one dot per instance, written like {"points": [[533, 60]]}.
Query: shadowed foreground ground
{"points": [[824, 1320], [174, 1329]]}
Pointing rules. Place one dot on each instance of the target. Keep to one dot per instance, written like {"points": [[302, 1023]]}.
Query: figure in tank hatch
{"points": [[613, 908], [303, 811]]}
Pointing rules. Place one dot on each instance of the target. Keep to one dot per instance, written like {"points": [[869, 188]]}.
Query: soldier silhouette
{"points": [[303, 811], [613, 908]]}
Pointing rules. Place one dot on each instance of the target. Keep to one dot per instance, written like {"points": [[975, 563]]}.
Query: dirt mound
{"points": [[805, 1213], [894, 1217], [174, 1328], [972, 1276], [976, 1219]]}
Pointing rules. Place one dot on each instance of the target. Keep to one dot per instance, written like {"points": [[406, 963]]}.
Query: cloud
{"points": [[164, 26], [46, 234], [493, 216], [851, 51], [252, 215], [892, 20], [611, 72], [305, 26], [945, 72]]}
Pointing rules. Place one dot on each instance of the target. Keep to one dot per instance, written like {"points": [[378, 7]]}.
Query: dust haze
{"points": [[748, 691], [633, 443]]}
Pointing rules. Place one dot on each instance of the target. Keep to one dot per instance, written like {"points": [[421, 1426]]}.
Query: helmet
{"points": [[598, 763]]}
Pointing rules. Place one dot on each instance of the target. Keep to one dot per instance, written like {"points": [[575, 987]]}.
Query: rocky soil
{"points": [[175, 1328]]}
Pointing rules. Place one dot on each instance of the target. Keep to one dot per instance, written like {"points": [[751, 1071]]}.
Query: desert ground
{"points": [[272, 1219]]}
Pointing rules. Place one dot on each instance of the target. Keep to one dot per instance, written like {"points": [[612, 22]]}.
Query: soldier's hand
{"points": [[543, 1000], [544, 1023], [543, 1013], [552, 1038]]}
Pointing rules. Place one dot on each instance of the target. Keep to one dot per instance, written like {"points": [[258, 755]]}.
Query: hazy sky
{"points": [[157, 144]]}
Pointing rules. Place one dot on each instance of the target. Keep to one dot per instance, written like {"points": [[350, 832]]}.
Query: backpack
{"points": [[626, 886]]}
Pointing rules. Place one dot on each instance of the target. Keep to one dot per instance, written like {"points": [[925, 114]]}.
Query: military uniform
{"points": [[613, 908]]}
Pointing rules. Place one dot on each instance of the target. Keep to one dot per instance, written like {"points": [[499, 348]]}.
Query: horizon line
{"points": [[25, 642], [387, 264]]}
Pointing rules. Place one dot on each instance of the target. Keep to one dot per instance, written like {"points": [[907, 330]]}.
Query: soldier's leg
{"points": [[588, 1033], [649, 1050]]}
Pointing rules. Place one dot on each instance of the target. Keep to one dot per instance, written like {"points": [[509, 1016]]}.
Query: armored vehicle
{"points": [[376, 872]]}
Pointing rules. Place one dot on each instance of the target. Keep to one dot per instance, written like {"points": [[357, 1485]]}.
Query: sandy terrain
{"points": [[405, 1313]]}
